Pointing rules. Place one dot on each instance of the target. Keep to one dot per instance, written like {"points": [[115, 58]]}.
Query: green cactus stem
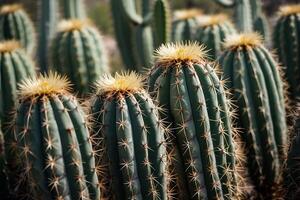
{"points": [[73, 9], [15, 24], [256, 86], [78, 52], [53, 141], [132, 143], [193, 100]]}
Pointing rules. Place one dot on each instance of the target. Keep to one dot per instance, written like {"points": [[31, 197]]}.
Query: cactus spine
{"points": [[53, 141], [256, 86], [194, 101], [138, 34], [73, 9], [15, 24], [212, 31], [286, 42], [78, 52], [131, 139]]}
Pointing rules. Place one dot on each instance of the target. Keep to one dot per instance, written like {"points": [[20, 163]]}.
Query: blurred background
{"points": [[99, 11]]}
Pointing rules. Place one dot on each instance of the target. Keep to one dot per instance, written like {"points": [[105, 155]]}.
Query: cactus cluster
{"points": [[253, 78]]}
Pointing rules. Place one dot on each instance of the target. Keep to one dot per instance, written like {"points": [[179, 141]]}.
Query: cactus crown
{"points": [[72, 25], [243, 40], [51, 84], [171, 53], [289, 9], [9, 46], [211, 20], [10, 8], [186, 14], [129, 82]]}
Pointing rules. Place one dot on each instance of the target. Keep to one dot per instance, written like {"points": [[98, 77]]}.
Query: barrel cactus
{"points": [[193, 99], [132, 144], [78, 52], [185, 24], [257, 88], [53, 141], [212, 31], [16, 24], [287, 44]]}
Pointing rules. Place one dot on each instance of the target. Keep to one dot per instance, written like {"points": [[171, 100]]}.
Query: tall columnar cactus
{"points": [[132, 144], [73, 9], [16, 24], [53, 141], [194, 101], [287, 44], [78, 52], [185, 24], [252, 76], [139, 33], [212, 31]]}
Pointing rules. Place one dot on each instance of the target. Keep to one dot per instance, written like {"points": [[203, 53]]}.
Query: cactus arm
{"points": [[73, 9], [162, 24], [243, 15], [47, 26], [130, 11], [226, 3]]}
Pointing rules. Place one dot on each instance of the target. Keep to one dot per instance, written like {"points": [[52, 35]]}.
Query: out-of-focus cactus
{"points": [[53, 141], [185, 24], [287, 43], [212, 31], [139, 33], [15, 24], [73, 9], [256, 86], [78, 52], [132, 144], [4, 190], [193, 100]]}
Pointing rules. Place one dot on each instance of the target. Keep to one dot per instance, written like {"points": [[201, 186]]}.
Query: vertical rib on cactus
{"points": [[185, 24], [73, 9], [256, 86], [132, 144], [53, 141], [16, 24], [78, 52], [212, 31], [286, 41], [194, 101]]}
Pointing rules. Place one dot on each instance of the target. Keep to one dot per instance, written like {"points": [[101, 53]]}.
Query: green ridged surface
{"points": [[254, 81], [54, 148], [286, 42], [18, 26], [133, 154], [81, 56], [73, 9], [194, 101], [184, 30], [213, 37]]}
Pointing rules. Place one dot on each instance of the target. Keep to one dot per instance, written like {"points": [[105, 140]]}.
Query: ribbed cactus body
{"points": [[15, 24], [194, 101], [73, 9], [78, 52], [253, 78], [132, 144], [286, 43], [53, 142], [212, 32]]}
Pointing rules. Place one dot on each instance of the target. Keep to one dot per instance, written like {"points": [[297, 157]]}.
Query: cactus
{"points": [[73, 9], [256, 86], [185, 24], [194, 101], [212, 31], [138, 34], [53, 141], [78, 52], [4, 190], [16, 24], [131, 135], [286, 42]]}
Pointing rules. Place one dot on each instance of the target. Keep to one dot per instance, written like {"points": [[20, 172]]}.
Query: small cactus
{"points": [[78, 52], [131, 137], [15, 24], [194, 102], [286, 42], [53, 141], [212, 31], [255, 83]]}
